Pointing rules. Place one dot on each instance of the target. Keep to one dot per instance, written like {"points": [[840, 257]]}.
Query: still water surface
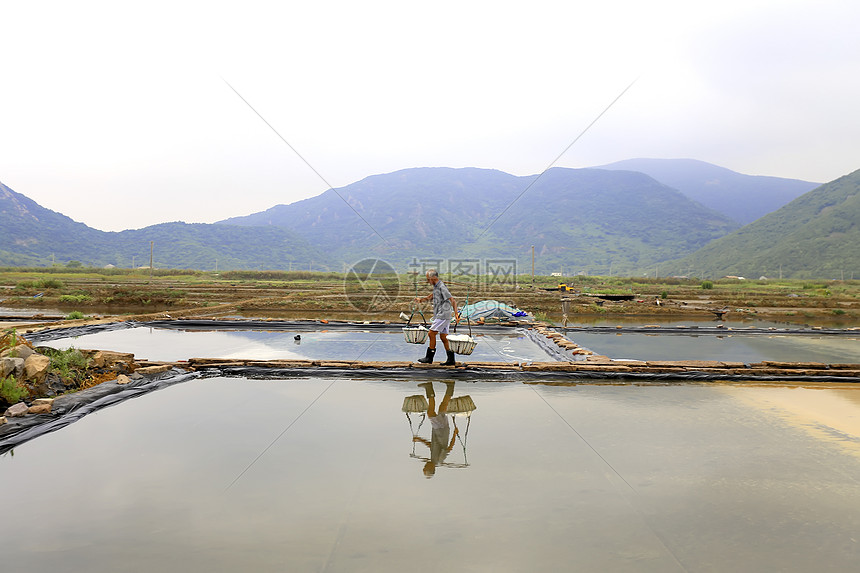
{"points": [[171, 345], [325, 475], [730, 347], [734, 345]]}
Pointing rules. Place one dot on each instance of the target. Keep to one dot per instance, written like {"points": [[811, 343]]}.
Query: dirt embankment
{"points": [[184, 295]]}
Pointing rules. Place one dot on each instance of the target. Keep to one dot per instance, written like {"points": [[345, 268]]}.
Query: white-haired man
{"points": [[444, 308]]}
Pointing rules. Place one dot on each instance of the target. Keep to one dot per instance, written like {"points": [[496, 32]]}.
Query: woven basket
{"points": [[417, 403], [461, 343], [415, 334], [461, 405]]}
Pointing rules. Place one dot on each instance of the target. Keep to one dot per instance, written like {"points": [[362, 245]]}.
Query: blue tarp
{"points": [[490, 309]]}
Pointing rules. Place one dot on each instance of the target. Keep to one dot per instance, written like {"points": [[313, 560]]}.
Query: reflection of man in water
{"points": [[441, 430]]}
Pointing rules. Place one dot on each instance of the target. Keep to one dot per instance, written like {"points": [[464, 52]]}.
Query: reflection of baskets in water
{"points": [[461, 343], [461, 406], [415, 334], [417, 403]]}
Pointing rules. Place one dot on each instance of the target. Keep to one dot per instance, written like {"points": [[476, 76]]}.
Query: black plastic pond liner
{"points": [[72, 407], [526, 377]]}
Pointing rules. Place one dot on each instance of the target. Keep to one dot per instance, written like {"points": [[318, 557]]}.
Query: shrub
{"points": [[75, 315], [69, 364], [664, 294], [49, 283], [41, 284], [707, 285], [838, 311], [78, 298], [8, 339], [10, 391]]}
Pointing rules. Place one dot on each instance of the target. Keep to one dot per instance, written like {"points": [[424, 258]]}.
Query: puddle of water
{"points": [[30, 312], [319, 474], [171, 345]]}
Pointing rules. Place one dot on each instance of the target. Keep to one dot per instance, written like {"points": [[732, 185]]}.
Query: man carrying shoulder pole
{"points": [[444, 308]]}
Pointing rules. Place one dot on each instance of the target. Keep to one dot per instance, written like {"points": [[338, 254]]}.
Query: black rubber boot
{"points": [[450, 361], [429, 358]]}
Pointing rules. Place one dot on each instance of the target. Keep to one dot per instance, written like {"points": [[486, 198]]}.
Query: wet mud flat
{"points": [[328, 473]]}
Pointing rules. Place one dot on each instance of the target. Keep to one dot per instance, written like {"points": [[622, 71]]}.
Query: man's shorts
{"points": [[440, 325]]}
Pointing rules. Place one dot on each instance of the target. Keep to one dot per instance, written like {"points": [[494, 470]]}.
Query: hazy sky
{"points": [[116, 113]]}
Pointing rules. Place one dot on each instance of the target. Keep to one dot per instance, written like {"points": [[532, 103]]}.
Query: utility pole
{"points": [[151, 246], [216, 265], [132, 262], [533, 265]]}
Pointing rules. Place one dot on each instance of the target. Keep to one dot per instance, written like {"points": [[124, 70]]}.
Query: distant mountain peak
{"points": [[594, 220], [814, 236], [744, 198]]}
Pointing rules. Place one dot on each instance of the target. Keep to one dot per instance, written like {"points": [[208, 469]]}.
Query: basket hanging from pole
{"points": [[461, 406], [462, 343], [415, 334], [414, 404]]}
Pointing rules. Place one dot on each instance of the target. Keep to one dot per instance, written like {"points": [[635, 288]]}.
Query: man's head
{"points": [[432, 276]]}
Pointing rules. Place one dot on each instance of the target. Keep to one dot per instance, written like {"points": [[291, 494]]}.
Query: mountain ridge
{"points": [[744, 198], [811, 237], [32, 233], [592, 220], [471, 212]]}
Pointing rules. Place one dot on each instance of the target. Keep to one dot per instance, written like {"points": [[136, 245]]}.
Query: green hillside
{"points": [[816, 235], [582, 219], [32, 235]]}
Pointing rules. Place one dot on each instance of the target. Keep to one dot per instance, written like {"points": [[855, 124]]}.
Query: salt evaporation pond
{"points": [[733, 346], [323, 474], [730, 345], [171, 344]]}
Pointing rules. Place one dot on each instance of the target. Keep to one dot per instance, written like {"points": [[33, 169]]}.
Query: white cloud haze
{"points": [[116, 114]]}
